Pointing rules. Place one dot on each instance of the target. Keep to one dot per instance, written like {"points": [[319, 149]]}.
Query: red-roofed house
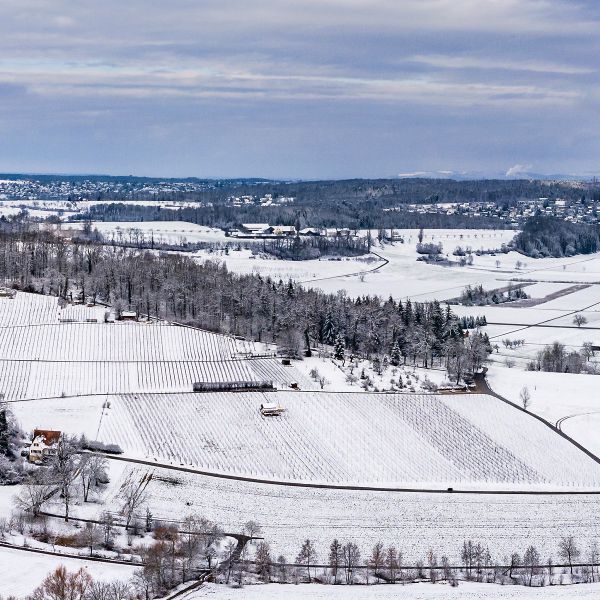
{"points": [[45, 443]]}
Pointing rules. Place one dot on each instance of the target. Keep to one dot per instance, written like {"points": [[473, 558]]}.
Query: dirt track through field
{"points": [[544, 323], [363, 272]]}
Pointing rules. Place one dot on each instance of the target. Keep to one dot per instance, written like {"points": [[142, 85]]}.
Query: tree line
{"points": [[555, 358], [207, 295], [364, 214], [286, 248], [343, 564]]}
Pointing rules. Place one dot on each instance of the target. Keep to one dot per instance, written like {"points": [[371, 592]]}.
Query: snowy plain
{"points": [[397, 440], [21, 572], [421, 591], [43, 361], [415, 521]]}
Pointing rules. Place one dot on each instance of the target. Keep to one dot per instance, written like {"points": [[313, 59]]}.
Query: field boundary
{"points": [[487, 389], [112, 561], [356, 488]]}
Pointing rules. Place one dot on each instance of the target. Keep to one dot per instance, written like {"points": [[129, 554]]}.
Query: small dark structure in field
{"points": [[233, 386]]}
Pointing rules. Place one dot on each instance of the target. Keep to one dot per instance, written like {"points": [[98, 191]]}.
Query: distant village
{"points": [[266, 200], [576, 211]]}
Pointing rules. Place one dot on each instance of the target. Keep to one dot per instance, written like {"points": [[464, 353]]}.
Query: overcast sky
{"points": [[299, 88]]}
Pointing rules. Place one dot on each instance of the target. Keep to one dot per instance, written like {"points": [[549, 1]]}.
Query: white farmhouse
{"points": [[45, 443]]}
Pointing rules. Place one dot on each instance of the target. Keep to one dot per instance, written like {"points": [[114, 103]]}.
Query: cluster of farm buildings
{"points": [[264, 230]]}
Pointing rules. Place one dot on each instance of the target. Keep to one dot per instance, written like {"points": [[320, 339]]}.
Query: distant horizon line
{"points": [[426, 175]]}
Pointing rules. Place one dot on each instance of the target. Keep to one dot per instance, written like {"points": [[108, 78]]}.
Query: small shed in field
{"points": [[128, 315]]}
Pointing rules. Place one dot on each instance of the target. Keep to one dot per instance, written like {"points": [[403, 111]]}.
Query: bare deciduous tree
{"points": [[62, 585], [351, 556], [92, 471], [391, 563], [568, 550], [38, 489], [64, 465], [525, 396], [107, 523], [252, 529], [263, 561], [531, 560], [92, 535], [377, 559], [335, 559], [307, 556], [133, 494]]}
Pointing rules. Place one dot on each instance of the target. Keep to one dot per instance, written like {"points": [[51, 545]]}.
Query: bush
{"points": [[96, 446], [11, 473]]}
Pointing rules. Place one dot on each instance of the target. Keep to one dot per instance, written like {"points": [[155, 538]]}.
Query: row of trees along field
{"points": [[289, 248], [206, 295], [165, 560]]}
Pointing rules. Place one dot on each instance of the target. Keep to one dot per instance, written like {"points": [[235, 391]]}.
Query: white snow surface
{"points": [[21, 572], [168, 232], [42, 357], [420, 591], [414, 521], [391, 440], [556, 396]]}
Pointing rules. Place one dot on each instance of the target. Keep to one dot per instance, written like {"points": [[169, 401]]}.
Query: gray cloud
{"points": [[290, 88]]}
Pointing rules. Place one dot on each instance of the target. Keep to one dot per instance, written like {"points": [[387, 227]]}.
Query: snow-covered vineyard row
{"points": [[33, 326], [351, 438], [40, 379], [35, 309], [414, 522], [113, 342]]}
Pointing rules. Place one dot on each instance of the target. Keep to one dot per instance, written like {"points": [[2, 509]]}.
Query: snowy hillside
{"points": [[367, 439]]}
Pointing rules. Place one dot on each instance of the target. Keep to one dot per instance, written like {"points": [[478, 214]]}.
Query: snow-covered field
{"points": [[365, 439], [21, 572], [404, 277], [35, 309], [167, 232], [420, 591], [556, 396], [416, 522], [129, 383], [46, 351], [244, 261]]}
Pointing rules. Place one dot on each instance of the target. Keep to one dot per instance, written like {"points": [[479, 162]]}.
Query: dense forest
{"points": [[206, 295], [548, 236], [365, 214]]}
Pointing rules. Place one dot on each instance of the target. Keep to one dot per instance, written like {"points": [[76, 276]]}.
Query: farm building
{"points": [[257, 228], [310, 231], [271, 409], [44, 444], [284, 230]]}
